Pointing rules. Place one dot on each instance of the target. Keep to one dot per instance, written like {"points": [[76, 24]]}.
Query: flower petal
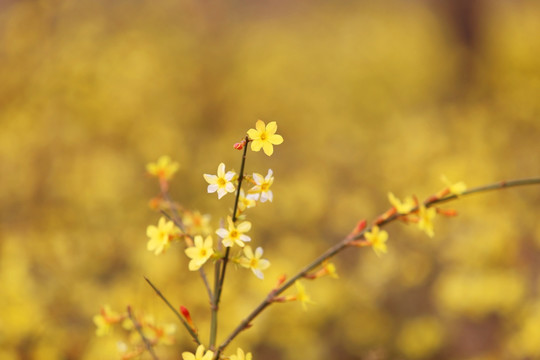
{"points": [[188, 356], [221, 170], [256, 145], [244, 226], [229, 187], [212, 179], [264, 264], [258, 273], [245, 238], [248, 252], [258, 252], [271, 128], [275, 139], [253, 134], [259, 125], [268, 148], [221, 193], [222, 233], [194, 265]]}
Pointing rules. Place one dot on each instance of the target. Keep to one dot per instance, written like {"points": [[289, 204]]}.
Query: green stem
{"points": [[244, 324]]}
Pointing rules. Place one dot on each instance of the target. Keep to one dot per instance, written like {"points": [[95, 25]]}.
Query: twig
{"points": [[244, 324], [180, 317], [147, 343], [221, 278]]}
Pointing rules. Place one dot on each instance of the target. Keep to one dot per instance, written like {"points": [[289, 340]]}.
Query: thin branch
{"points": [[476, 190], [178, 315], [245, 323], [219, 288], [147, 343]]}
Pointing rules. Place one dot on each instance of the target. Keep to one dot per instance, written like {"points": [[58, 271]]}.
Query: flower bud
{"points": [[240, 145]]}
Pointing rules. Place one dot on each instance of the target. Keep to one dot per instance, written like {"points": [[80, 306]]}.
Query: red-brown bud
{"points": [[447, 212], [240, 145], [187, 316], [281, 280], [360, 226]]}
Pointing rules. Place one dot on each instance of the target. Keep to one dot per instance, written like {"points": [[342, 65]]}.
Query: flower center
{"points": [[221, 182], [163, 235], [264, 136], [233, 234]]}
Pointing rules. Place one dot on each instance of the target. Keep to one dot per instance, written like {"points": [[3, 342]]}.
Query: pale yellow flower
{"points": [[234, 234], [254, 262], [105, 320], [402, 207], [245, 202], [200, 253], [301, 295], [425, 217], [454, 188], [265, 137], [160, 236], [164, 168], [200, 354], [378, 239], [220, 183], [240, 355], [330, 269], [196, 224], [261, 191]]}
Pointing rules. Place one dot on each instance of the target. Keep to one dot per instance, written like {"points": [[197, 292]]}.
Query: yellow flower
{"points": [[235, 234], [264, 137], [425, 219], [240, 355], [377, 239], [220, 182], [401, 207], [261, 191], [245, 202], [254, 261], [455, 189], [200, 354], [164, 333], [302, 296], [163, 168], [161, 235], [330, 269], [199, 253], [105, 320], [196, 224]]}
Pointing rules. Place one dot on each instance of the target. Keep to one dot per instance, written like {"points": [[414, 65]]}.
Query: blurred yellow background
{"points": [[370, 97]]}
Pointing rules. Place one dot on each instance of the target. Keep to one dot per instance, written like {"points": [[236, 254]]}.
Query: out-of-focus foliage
{"points": [[370, 97]]}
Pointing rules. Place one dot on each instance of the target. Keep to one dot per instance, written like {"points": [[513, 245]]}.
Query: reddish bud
{"points": [[449, 212], [187, 316], [185, 312], [360, 226], [155, 203], [240, 145], [281, 280]]}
